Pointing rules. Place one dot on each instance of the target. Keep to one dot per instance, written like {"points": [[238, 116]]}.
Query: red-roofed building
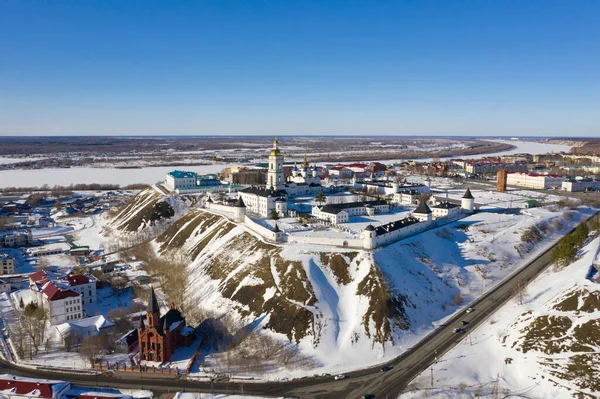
{"points": [[357, 167], [84, 286], [14, 387], [62, 300], [103, 395]]}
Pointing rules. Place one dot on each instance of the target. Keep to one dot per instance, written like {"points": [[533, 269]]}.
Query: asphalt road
{"points": [[386, 384]]}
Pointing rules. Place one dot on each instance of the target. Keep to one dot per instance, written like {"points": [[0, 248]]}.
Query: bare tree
{"points": [[6, 222], [71, 340], [94, 347], [42, 263], [119, 284], [34, 321], [521, 293]]}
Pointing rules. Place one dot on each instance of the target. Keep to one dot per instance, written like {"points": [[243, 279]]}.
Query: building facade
{"points": [[479, 167], [64, 302], [445, 209], [501, 181], [183, 182], [407, 197], [20, 239], [534, 180], [159, 336], [7, 264], [340, 213], [578, 185]]}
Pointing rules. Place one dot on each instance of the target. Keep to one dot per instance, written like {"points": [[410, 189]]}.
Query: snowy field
{"points": [[476, 364], [6, 160], [150, 175], [123, 177]]}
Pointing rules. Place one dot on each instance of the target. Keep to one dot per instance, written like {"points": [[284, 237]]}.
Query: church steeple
{"points": [[153, 310], [275, 176]]}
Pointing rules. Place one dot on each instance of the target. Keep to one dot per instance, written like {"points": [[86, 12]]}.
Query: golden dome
{"points": [[275, 152]]}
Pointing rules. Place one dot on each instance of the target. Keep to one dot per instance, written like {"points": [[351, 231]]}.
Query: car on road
{"points": [[368, 396], [340, 377], [460, 330], [470, 310], [464, 322], [385, 368]]}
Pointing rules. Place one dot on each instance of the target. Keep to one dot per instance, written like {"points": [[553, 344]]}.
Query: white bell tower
{"points": [[275, 176]]}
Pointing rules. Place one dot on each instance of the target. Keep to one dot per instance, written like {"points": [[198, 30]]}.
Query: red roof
{"points": [[53, 293], [25, 387], [101, 395], [38, 276], [77, 279], [357, 165]]}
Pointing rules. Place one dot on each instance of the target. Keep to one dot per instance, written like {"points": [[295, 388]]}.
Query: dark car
{"points": [[460, 330], [464, 322], [385, 368], [368, 396]]}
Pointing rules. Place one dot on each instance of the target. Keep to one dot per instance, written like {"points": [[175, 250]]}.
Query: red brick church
{"points": [[159, 336]]}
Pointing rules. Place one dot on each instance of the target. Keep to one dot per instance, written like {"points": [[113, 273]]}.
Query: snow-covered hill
{"points": [[147, 208], [350, 308], [546, 345]]}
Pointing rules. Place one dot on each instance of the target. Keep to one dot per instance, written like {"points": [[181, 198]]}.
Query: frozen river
{"points": [[65, 177], [527, 147], [123, 177]]}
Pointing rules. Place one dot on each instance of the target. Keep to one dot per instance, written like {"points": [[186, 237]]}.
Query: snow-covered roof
{"points": [[32, 387], [103, 395]]}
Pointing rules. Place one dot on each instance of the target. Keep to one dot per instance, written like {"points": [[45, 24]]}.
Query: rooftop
{"points": [[445, 205], [264, 192], [31, 386], [337, 208], [387, 228], [180, 174], [422, 208]]}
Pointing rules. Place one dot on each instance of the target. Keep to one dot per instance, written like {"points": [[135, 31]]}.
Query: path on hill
{"points": [[388, 384]]}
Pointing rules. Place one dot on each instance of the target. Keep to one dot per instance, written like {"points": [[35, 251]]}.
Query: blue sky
{"points": [[300, 67]]}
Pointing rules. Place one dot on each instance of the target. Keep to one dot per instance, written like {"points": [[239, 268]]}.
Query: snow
{"points": [[522, 146], [7, 160], [194, 395], [150, 175], [464, 258], [478, 365], [86, 175]]}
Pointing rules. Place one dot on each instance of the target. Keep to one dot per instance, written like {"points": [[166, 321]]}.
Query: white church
{"points": [[264, 200]]}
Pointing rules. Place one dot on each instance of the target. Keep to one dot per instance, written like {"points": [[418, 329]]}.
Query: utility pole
{"points": [[432, 376]]}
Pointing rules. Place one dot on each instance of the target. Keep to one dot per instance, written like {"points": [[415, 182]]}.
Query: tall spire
{"points": [[305, 163], [153, 303]]}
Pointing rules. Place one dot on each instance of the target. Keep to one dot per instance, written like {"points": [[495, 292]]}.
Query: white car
{"points": [[470, 310], [339, 377]]}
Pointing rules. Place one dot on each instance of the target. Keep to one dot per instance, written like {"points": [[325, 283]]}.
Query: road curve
{"points": [[367, 381]]}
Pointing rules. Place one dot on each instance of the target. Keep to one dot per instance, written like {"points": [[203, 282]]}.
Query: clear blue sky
{"points": [[300, 67]]}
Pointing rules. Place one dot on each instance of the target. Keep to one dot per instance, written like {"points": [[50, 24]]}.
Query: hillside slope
{"points": [[547, 346], [348, 307], [148, 208]]}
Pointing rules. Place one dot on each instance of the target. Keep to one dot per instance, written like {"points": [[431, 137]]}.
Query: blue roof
{"points": [[180, 174]]}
